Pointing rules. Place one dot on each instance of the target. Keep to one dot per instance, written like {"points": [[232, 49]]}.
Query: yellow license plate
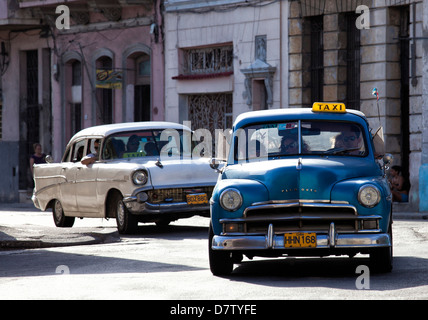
{"points": [[198, 198], [300, 240]]}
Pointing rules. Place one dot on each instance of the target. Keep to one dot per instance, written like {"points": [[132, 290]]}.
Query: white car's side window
{"points": [[66, 157], [77, 151]]}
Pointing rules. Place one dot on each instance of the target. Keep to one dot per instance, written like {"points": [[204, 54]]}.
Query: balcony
{"points": [[13, 18], [22, 14], [204, 5], [91, 3]]}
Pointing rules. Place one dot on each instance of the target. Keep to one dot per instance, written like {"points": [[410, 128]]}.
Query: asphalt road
{"points": [[172, 263]]}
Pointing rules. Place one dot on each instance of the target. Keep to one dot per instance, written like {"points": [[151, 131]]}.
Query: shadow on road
{"points": [[21, 265], [170, 232], [408, 272]]}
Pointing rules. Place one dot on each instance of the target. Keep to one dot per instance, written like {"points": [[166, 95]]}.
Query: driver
{"points": [[289, 144], [350, 140]]}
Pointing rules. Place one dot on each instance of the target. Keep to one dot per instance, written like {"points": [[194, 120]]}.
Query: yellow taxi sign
{"points": [[329, 107]]}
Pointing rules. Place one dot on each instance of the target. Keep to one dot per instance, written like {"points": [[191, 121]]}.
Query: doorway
{"points": [[404, 91], [142, 103], [142, 90]]}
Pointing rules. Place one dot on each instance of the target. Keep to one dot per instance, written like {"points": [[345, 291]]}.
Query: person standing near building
{"points": [[37, 157], [399, 186]]}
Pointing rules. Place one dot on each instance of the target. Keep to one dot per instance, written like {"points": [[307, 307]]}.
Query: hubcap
{"points": [[58, 210], [120, 212]]}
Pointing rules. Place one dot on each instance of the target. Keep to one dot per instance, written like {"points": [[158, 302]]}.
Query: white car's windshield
{"points": [[273, 140], [143, 143]]}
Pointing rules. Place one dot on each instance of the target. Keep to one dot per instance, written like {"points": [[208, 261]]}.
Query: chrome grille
{"points": [[176, 194], [300, 216]]}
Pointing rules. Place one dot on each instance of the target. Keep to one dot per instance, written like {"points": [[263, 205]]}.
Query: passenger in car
{"points": [[79, 154], [150, 149], [91, 157], [133, 143]]}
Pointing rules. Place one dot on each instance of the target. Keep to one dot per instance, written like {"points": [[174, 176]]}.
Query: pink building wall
{"points": [[136, 33], [119, 44]]}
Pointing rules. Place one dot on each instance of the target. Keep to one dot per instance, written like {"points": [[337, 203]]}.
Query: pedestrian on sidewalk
{"points": [[37, 157], [399, 185]]}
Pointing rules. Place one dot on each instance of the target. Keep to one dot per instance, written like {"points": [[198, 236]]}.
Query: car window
{"points": [[75, 152], [143, 143], [341, 138], [93, 146], [66, 156], [78, 150], [281, 139]]}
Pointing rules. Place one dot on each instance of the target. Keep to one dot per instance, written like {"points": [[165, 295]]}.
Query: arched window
{"points": [[104, 96]]}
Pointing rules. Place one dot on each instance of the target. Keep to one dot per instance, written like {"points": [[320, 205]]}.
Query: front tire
{"points": [[381, 258], [59, 218], [126, 222], [221, 263]]}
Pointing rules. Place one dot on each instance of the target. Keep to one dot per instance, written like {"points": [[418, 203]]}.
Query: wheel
{"points": [[221, 263], [126, 222], [60, 219], [381, 258]]}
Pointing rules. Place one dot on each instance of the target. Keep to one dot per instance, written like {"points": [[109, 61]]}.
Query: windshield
{"points": [[277, 140], [144, 143]]}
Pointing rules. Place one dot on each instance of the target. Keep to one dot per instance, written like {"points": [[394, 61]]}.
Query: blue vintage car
{"points": [[301, 182]]}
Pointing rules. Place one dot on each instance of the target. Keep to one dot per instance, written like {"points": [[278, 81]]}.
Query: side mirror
{"points": [[387, 159], [215, 164], [48, 159]]}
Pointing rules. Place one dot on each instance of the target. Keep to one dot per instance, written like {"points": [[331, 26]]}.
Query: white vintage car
{"points": [[144, 172]]}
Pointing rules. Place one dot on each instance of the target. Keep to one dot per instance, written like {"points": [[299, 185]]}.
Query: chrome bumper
{"points": [[332, 240], [142, 208]]}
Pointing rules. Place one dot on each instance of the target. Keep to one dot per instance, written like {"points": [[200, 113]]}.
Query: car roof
{"points": [[108, 129], [295, 114]]}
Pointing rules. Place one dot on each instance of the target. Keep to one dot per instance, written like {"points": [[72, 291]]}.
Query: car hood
{"points": [[302, 178], [181, 172]]}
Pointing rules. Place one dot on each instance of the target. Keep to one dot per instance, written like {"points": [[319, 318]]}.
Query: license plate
{"points": [[198, 198], [300, 240]]}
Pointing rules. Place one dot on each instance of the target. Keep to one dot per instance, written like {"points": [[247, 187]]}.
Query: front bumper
{"points": [[337, 226], [169, 201], [145, 208], [272, 241]]}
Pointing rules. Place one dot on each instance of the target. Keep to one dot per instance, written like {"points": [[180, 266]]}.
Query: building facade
{"points": [[369, 54], [70, 65], [205, 62], [223, 58], [349, 51]]}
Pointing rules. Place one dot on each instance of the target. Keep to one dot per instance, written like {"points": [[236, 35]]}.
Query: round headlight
{"points": [[139, 177], [369, 196], [231, 199]]}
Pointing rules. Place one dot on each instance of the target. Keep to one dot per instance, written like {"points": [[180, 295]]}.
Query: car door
{"points": [[86, 184], [69, 168]]}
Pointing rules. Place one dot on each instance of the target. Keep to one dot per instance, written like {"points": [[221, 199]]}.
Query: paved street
{"points": [[172, 263]]}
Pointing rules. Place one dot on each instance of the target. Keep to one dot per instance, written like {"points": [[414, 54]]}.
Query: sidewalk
{"points": [[22, 226]]}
